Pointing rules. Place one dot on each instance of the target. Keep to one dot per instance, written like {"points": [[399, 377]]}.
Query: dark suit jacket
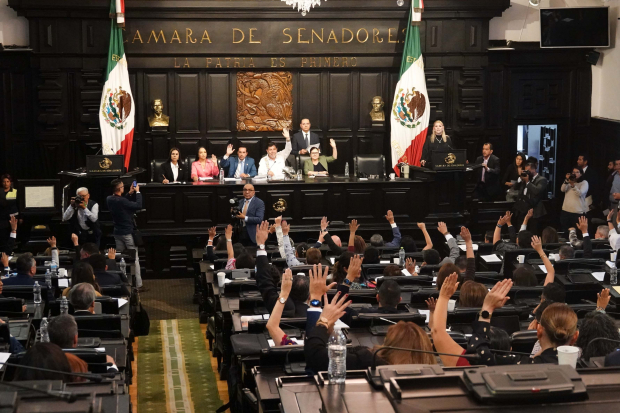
{"points": [[231, 164], [166, 170], [269, 291], [19, 279], [491, 176], [536, 193], [593, 184], [298, 142], [105, 278], [82, 312], [255, 214]]}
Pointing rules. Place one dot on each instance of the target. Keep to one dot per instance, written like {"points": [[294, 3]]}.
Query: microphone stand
{"points": [[95, 377], [61, 395]]}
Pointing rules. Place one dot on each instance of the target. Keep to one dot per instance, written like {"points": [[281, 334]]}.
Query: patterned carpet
{"points": [[174, 369]]}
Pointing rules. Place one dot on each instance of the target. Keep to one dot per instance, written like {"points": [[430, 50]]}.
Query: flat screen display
{"points": [[574, 27]]}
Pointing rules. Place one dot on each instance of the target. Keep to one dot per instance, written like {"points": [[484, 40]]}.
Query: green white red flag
{"points": [[116, 115], [410, 112]]}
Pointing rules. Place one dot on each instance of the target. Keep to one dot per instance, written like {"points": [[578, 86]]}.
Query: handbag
{"points": [[140, 322]]}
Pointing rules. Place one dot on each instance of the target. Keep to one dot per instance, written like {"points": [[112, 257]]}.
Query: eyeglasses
{"points": [[248, 190]]}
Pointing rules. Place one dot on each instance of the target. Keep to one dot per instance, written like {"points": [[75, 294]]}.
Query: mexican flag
{"points": [[116, 117], [411, 108]]}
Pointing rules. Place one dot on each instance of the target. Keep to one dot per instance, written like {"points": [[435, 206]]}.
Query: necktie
{"points": [[245, 206], [484, 171], [307, 140]]}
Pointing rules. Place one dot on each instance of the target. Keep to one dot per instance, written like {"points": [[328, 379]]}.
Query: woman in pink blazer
{"points": [[203, 167]]}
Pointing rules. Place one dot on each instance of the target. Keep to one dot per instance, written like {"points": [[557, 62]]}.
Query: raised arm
{"points": [[427, 238], [587, 242], [470, 272], [209, 254], [530, 214], [395, 231], [353, 226], [229, 248], [291, 261], [511, 230], [537, 245], [273, 325], [280, 236], [441, 339], [332, 143], [454, 248], [497, 235]]}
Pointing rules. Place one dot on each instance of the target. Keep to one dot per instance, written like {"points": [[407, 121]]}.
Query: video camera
{"points": [[235, 208]]}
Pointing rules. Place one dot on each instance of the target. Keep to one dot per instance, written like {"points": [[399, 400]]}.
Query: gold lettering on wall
{"points": [[186, 64], [317, 35], [188, 36], [350, 32], [176, 66], [299, 36], [176, 37], [252, 37], [332, 35], [137, 37], [375, 36], [290, 38], [205, 36], [157, 36], [390, 36], [234, 35], [208, 62], [358, 35]]}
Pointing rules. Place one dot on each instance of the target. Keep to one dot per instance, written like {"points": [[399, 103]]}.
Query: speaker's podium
{"points": [[449, 193]]}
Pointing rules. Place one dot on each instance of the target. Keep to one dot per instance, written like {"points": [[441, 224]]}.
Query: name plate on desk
{"points": [[104, 165], [452, 159]]}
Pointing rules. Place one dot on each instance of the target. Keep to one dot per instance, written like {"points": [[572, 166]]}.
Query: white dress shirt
{"points": [[275, 165], [175, 171], [82, 215]]}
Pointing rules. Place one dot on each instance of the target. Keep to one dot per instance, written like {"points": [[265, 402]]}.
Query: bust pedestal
{"points": [[378, 131], [159, 135]]}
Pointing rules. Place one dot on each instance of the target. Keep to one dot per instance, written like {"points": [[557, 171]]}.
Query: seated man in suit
{"points": [[251, 215], [273, 164], [82, 298], [103, 277], [26, 269], [488, 186], [240, 166], [304, 138], [388, 298], [173, 170], [63, 331]]}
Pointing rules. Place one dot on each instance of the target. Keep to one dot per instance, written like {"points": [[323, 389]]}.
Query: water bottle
{"points": [[346, 169], [337, 350], [222, 175], [45, 337], [64, 306], [37, 292], [613, 275], [123, 266], [54, 268], [48, 278], [401, 257]]}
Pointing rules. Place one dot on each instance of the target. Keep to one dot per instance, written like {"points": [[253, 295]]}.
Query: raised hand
{"points": [[442, 227], [324, 223], [332, 143], [355, 268], [529, 214], [390, 217], [287, 283], [229, 150], [214, 158], [336, 309], [228, 232], [13, 223], [212, 232], [353, 226], [410, 266], [422, 225], [498, 296], [465, 234], [52, 242], [583, 224], [262, 233], [286, 133], [74, 239], [431, 303], [278, 221], [602, 300], [112, 254], [508, 218], [449, 286], [285, 228], [537, 244], [318, 282]]}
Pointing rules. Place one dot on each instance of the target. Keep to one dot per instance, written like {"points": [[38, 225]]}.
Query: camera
{"points": [[235, 208], [526, 174], [78, 200], [572, 177]]}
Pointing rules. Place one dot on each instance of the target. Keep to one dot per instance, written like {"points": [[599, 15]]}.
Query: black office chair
{"points": [[99, 325], [523, 341], [189, 160], [156, 167], [302, 160], [292, 161], [370, 165]]}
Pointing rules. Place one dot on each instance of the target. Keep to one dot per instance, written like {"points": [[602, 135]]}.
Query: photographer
{"points": [[574, 206], [83, 215], [532, 189]]}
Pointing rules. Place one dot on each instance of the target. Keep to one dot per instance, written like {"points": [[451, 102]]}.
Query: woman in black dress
{"points": [[512, 175], [437, 141]]}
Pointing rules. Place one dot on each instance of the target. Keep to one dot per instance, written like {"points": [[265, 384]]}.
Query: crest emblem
{"points": [[105, 163], [450, 159], [409, 107], [116, 107], [280, 205]]}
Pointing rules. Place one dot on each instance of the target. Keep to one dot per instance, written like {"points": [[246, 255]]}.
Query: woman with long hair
{"points": [[438, 140], [82, 273], [513, 172], [204, 168], [575, 189], [173, 170]]}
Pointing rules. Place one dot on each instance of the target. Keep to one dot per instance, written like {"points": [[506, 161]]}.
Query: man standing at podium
{"points": [[488, 186], [303, 139]]}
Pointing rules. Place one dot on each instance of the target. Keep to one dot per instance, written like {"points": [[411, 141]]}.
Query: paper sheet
{"points": [[543, 268], [427, 313], [63, 283], [491, 258], [206, 178], [122, 302], [384, 261], [39, 196], [341, 324], [617, 289], [298, 341], [599, 275], [463, 247], [4, 357]]}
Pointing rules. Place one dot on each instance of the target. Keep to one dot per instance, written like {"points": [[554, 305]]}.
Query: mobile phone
{"points": [[134, 184]]}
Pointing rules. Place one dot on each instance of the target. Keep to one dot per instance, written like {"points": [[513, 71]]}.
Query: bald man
{"points": [[252, 213]]}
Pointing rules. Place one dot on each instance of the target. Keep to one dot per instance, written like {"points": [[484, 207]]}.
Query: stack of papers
{"points": [[491, 258], [463, 247]]}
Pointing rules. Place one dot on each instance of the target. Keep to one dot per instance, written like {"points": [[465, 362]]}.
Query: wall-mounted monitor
{"points": [[574, 27]]}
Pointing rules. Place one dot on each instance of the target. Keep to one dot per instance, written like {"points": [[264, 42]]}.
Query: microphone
{"points": [[61, 395], [95, 377]]}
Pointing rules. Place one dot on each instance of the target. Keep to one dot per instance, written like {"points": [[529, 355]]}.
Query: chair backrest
{"points": [[292, 161], [155, 167], [98, 325], [11, 304], [370, 165], [523, 341], [189, 160], [95, 359], [23, 291], [302, 160]]}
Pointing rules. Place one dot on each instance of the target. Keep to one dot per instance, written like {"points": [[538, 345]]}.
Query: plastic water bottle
{"points": [[45, 337], [64, 306], [37, 292], [123, 266], [613, 275], [48, 278], [222, 175], [401, 257], [337, 348], [346, 169], [54, 268]]}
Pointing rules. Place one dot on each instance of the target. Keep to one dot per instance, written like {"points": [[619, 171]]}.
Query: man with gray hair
{"points": [[82, 298], [26, 269], [377, 240], [63, 331], [83, 215]]}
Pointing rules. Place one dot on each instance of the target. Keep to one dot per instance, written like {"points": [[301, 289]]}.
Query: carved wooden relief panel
{"points": [[264, 101]]}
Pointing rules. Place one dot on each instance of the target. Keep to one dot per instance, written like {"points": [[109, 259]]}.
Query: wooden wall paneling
{"points": [[470, 99], [200, 208], [434, 36], [541, 95], [51, 98], [347, 147], [453, 36], [219, 102], [495, 96], [309, 100], [293, 211], [91, 86], [436, 88], [583, 79], [340, 101], [254, 146], [217, 146], [370, 85], [313, 205], [472, 35], [399, 200], [188, 146], [17, 104], [187, 106], [357, 201], [95, 36]]}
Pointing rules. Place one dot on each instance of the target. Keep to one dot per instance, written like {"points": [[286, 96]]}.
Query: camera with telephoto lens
{"points": [[572, 177], [78, 200], [526, 174], [235, 208]]}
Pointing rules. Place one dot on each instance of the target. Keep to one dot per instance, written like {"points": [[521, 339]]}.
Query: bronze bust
{"points": [[158, 118], [377, 114]]}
